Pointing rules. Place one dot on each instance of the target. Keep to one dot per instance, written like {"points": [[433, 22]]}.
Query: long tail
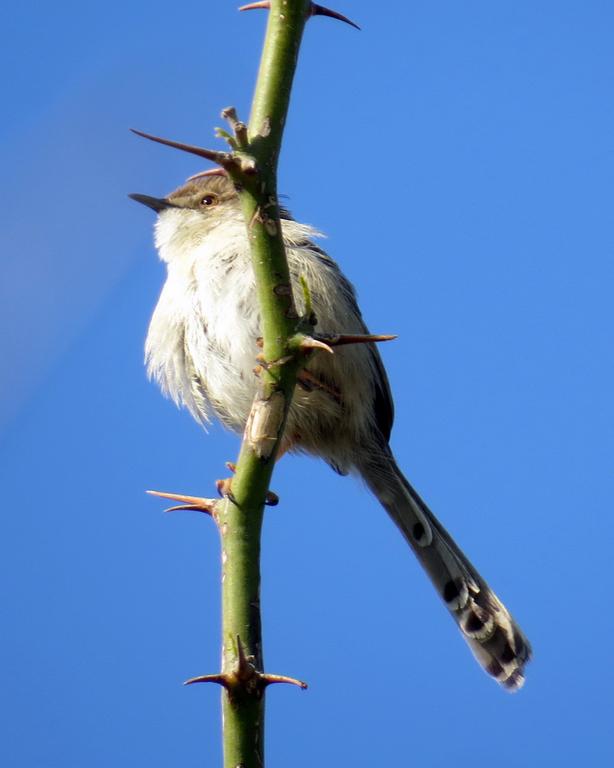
{"points": [[495, 639]]}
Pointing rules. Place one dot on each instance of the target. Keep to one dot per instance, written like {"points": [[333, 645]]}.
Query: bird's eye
{"points": [[208, 201]]}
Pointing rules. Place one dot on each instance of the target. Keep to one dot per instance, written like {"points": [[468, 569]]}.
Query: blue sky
{"points": [[460, 158]]}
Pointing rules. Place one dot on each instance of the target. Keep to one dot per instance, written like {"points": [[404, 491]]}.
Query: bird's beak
{"points": [[156, 204]]}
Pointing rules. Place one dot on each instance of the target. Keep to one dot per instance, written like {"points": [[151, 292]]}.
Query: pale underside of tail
{"points": [[493, 636]]}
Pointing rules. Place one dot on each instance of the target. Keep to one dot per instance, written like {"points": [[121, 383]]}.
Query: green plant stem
{"points": [[240, 516]]}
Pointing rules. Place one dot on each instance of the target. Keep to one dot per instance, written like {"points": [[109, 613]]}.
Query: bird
{"points": [[201, 347]]}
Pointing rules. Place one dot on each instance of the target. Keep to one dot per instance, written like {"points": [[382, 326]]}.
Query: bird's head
{"points": [[193, 212]]}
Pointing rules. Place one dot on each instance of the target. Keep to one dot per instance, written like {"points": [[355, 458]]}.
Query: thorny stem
{"points": [[240, 516], [252, 165]]}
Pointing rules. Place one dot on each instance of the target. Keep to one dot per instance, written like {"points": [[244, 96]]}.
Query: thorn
{"points": [[340, 339], [189, 507], [314, 10], [271, 679], [230, 465], [209, 172], [256, 6], [309, 342], [222, 158], [195, 503], [271, 499], [219, 679], [320, 10]]}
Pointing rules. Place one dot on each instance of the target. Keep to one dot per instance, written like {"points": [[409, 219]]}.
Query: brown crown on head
{"points": [[190, 193]]}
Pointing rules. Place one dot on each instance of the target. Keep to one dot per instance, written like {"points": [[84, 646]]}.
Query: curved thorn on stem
{"points": [[309, 343], [195, 503], [340, 339], [314, 10], [264, 4], [220, 679], [189, 508], [320, 10], [271, 499], [272, 679], [222, 158]]}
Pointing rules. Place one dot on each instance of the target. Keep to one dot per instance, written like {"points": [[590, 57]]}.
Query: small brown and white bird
{"points": [[201, 347]]}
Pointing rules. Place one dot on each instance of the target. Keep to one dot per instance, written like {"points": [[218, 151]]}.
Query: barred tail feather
{"points": [[495, 639]]}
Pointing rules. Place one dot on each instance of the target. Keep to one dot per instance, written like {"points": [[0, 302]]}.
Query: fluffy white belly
{"points": [[201, 346]]}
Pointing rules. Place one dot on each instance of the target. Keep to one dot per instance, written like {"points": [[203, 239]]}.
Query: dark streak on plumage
{"points": [[452, 591], [473, 623], [507, 654], [418, 531]]}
